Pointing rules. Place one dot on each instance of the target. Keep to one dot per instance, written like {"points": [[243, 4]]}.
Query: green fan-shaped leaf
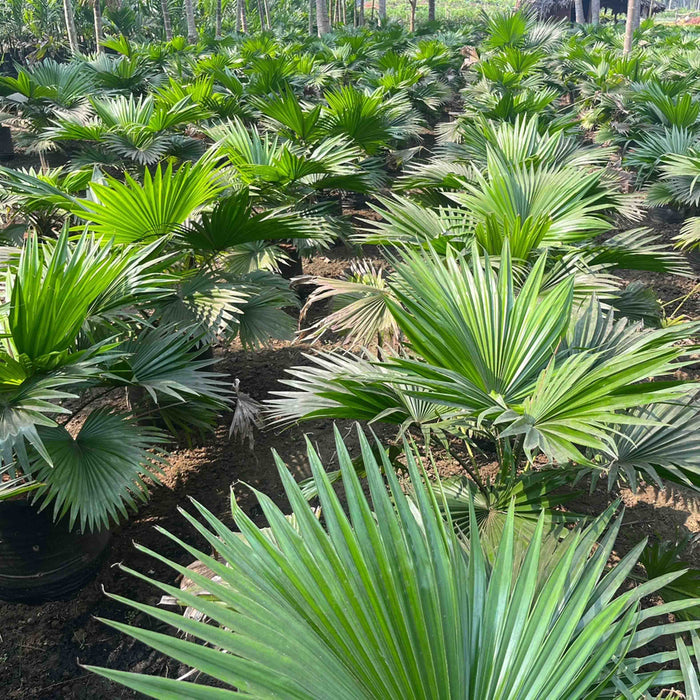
{"points": [[96, 475], [382, 600]]}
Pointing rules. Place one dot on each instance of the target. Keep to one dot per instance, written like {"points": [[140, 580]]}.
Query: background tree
{"points": [[632, 12], [217, 20], [167, 26], [578, 7], [242, 17], [97, 12], [192, 34], [70, 27], [322, 21], [595, 11], [412, 18]]}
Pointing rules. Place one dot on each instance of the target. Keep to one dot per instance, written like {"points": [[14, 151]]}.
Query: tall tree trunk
{"points": [[261, 15], [412, 19], [167, 27], [243, 16], [217, 20], [382, 13], [431, 10], [70, 27], [97, 12], [362, 13], [192, 35], [266, 7], [322, 21], [632, 9], [312, 12], [578, 8], [595, 11]]}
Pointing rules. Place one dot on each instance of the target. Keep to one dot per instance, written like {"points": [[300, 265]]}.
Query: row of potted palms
{"points": [[498, 327]]}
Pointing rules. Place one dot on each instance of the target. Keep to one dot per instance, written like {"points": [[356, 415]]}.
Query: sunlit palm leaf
{"points": [[385, 602], [130, 212], [668, 449]]}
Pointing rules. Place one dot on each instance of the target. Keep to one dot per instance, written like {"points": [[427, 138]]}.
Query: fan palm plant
{"points": [[222, 258], [389, 602], [38, 200], [679, 185], [139, 131], [285, 172], [371, 121], [491, 352], [133, 74], [42, 93], [524, 194], [70, 308]]}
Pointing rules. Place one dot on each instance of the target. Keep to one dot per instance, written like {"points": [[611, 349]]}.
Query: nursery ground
{"points": [[42, 646]]}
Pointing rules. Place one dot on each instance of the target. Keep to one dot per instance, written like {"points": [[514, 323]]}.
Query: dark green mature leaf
{"points": [[164, 362], [96, 475], [664, 557], [233, 222], [532, 496], [665, 445]]}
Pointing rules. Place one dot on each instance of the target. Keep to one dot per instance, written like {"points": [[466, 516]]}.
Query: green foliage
{"points": [[664, 557], [97, 474], [387, 601], [133, 212], [489, 347]]}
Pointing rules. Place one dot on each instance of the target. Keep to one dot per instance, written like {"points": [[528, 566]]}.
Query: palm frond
{"points": [[130, 212], [385, 602], [359, 308], [664, 445], [96, 475]]}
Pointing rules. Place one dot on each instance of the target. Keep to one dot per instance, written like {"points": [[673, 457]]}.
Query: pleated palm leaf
{"points": [[139, 132], [667, 449], [40, 94], [69, 307], [492, 351], [286, 172], [679, 185], [359, 309], [136, 212], [526, 142], [557, 207], [385, 601], [372, 122]]}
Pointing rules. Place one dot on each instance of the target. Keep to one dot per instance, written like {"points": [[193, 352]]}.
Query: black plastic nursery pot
{"points": [[41, 560]]}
